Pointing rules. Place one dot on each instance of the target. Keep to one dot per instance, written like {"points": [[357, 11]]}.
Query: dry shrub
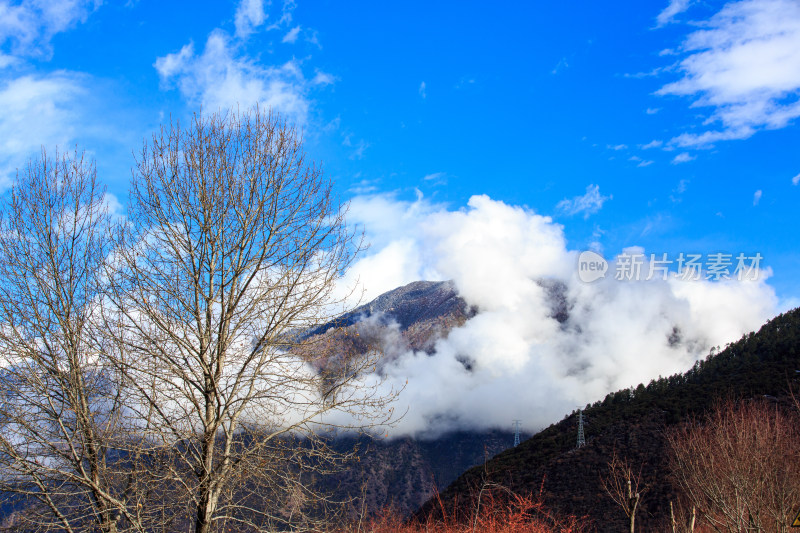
{"points": [[493, 509], [740, 467]]}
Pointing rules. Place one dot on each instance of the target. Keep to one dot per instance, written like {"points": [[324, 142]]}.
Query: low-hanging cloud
{"points": [[522, 362]]}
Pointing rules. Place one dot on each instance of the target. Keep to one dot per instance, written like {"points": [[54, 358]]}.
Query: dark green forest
{"points": [[632, 423]]}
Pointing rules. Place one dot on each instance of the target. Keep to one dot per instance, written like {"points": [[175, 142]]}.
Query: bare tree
{"points": [[740, 466], [624, 486], [683, 519], [61, 414], [232, 250]]}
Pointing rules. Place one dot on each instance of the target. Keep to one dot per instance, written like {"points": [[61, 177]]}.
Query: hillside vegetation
{"points": [[632, 423]]}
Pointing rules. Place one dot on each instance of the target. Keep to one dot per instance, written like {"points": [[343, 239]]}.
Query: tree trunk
{"points": [[205, 513], [207, 504], [672, 518], [633, 503]]}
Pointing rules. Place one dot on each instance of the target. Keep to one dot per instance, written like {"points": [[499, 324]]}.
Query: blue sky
{"points": [[668, 125]]}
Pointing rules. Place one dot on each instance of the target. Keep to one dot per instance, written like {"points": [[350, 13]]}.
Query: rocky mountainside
{"points": [[631, 422], [403, 473], [419, 312]]}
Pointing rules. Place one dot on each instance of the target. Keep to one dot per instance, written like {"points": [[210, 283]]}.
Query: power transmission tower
{"points": [[516, 433], [581, 438]]}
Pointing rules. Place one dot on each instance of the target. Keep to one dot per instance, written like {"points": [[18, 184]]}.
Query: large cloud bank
{"points": [[523, 363]]}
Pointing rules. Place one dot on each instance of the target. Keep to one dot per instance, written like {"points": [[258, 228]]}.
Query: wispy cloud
{"points": [[796, 180], [641, 162], [358, 153], [220, 78], [757, 196], [360, 147], [363, 186], [561, 65], [29, 26], [682, 158], [6, 60], [588, 204], [653, 144], [675, 7], [291, 35], [37, 111], [323, 78], [422, 91], [250, 14], [744, 64], [652, 110], [617, 147], [678, 191], [287, 9], [436, 178], [465, 82]]}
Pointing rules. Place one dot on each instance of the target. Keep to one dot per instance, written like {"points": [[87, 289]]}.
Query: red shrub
{"points": [[494, 510]]}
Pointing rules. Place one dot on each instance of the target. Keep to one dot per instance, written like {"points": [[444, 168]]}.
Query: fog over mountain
{"points": [[535, 342]]}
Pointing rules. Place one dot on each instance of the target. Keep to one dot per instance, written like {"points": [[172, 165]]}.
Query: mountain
{"points": [[419, 312], [403, 473], [631, 422]]}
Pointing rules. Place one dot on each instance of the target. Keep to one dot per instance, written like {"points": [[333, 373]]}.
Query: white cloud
{"points": [[744, 64], [796, 180], [677, 192], [653, 144], [312, 37], [522, 362], [37, 111], [436, 177], [30, 25], [675, 7], [640, 162], [361, 147], [588, 204], [291, 35], [250, 14], [464, 82], [617, 147], [422, 92], [220, 78], [6, 60], [323, 78], [561, 65], [287, 9], [652, 110], [757, 196], [682, 158]]}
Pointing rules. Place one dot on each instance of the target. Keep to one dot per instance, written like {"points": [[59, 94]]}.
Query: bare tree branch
{"points": [[61, 413], [232, 250], [740, 466]]}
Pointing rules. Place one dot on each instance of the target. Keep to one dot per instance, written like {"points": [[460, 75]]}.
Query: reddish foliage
{"points": [[740, 467], [495, 510]]}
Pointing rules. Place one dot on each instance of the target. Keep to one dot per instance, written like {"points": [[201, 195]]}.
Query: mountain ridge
{"points": [[631, 422]]}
